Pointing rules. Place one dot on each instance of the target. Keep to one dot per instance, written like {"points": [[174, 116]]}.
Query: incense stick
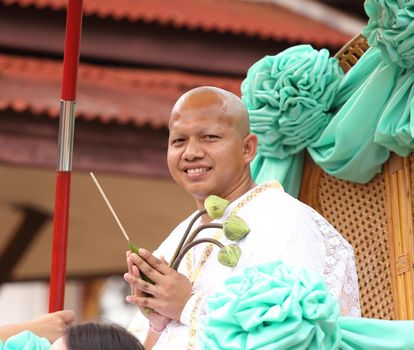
{"points": [[109, 205]]}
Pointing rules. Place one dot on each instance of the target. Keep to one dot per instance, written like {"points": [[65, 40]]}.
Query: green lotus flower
{"points": [[215, 206], [235, 228], [229, 255]]}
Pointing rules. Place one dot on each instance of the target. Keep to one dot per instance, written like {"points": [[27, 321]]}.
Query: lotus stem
{"points": [[200, 228], [190, 245], [187, 231]]}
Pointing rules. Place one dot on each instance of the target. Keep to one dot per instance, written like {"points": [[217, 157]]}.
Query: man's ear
{"points": [[249, 147]]}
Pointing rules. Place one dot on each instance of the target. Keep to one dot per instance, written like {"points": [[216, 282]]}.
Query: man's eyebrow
{"points": [[175, 134]]}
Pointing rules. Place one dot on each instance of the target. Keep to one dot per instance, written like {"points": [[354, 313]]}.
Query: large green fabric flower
{"points": [[391, 29], [288, 97], [271, 307]]}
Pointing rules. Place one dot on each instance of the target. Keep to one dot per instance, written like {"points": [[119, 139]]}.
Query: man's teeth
{"points": [[196, 170]]}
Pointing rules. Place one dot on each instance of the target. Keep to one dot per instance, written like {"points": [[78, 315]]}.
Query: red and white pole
{"points": [[65, 151]]}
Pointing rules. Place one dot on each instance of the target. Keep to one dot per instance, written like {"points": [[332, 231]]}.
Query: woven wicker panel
{"points": [[358, 212], [352, 52]]}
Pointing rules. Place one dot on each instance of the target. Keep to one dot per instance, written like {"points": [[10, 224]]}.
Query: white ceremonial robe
{"points": [[281, 228]]}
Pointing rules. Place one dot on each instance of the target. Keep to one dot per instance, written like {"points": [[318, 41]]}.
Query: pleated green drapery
{"points": [[299, 99], [26, 341], [271, 306]]}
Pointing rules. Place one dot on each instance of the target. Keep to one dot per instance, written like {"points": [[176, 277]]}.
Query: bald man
{"points": [[210, 149]]}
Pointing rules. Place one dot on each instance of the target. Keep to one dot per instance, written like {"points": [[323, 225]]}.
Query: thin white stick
{"points": [[109, 205]]}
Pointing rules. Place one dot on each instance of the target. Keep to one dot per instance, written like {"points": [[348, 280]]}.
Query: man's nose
{"points": [[193, 150]]}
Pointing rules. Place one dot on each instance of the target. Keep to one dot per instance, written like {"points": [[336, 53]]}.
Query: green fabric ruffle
{"points": [[26, 341], [391, 29], [349, 124], [271, 306], [288, 97]]}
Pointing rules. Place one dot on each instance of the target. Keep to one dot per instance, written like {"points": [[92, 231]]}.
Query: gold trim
{"points": [[194, 323]]}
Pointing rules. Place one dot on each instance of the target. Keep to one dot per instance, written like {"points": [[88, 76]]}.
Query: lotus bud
{"points": [[215, 206], [235, 228], [229, 255]]}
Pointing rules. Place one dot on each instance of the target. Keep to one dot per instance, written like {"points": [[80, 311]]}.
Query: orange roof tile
{"points": [[263, 20], [109, 94]]}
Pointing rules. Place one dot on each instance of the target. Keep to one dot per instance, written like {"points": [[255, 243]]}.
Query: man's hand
{"points": [[157, 321], [171, 290], [52, 325]]}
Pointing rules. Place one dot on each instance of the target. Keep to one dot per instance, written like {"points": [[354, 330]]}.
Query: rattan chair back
{"points": [[376, 218]]}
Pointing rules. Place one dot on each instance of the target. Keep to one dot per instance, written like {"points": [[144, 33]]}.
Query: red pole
{"points": [[65, 150]]}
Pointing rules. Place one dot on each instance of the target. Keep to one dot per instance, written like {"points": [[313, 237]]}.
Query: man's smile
{"points": [[197, 171]]}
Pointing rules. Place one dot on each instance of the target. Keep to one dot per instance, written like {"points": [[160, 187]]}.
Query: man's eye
{"points": [[211, 137], [177, 141]]}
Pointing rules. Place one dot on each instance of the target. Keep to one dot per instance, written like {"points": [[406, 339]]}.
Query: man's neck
{"points": [[245, 186]]}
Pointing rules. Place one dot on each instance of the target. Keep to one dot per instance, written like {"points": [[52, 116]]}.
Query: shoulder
{"points": [[270, 202], [275, 213]]}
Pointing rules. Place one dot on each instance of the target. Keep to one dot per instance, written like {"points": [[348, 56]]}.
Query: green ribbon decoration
{"points": [[272, 306], [348, 124]]}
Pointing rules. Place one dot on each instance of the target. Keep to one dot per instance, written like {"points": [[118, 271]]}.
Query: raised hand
{"points": [[52, 325], [157, 321], [170, 292]]}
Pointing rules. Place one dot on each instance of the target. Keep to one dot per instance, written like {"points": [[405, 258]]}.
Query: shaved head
{"points": [[210, 146], [215, 101]]}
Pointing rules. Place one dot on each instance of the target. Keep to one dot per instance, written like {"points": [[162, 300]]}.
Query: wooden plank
{"points": [[409, 238], [123, 149], [400, 221], [309, 189], [391, 240], [32, 222], [134, 43]]}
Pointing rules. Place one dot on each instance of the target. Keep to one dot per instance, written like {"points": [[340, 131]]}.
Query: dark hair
{"points": [[97, 336]]}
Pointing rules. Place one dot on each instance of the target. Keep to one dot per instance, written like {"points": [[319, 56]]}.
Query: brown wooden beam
{"points": [[134, 43], [33, 220], [113, 148]]}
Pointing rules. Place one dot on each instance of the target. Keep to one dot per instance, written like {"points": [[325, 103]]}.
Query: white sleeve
{"points": [[139, 326]]}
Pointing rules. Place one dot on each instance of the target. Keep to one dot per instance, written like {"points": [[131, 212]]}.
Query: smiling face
{"points": [[210, 148]]}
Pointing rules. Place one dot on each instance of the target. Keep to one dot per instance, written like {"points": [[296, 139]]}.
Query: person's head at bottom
{"points": [[95, 336]]}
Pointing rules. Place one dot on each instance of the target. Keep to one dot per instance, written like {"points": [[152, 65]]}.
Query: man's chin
{"points": [[199, 194]]}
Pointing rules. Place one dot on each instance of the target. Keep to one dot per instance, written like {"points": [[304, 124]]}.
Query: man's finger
{"points": [[140, 284], [144, 287], [130, 271], [136, 272], [131, 279], [129, 264], [146, 268], [158, 264], [143, 302]]}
